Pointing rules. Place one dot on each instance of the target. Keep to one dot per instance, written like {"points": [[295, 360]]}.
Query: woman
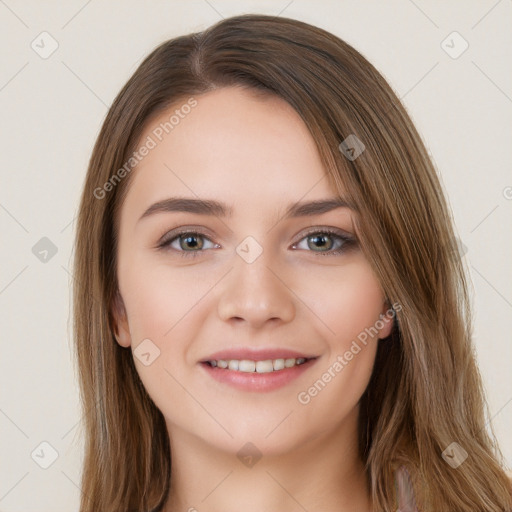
{"points": [[269, 309]]}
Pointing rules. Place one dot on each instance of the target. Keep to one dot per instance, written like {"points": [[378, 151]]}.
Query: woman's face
{"points": [[249, 282]]}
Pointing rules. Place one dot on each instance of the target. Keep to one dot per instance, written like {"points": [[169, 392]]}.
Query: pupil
{"points": [[319, 240], [191, 241]]}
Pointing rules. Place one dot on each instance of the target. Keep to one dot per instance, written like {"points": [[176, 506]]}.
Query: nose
{"points": [[254, 294]]}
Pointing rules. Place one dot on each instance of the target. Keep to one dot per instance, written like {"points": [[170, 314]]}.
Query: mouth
{"points": [[252, 366], [259, 374]]}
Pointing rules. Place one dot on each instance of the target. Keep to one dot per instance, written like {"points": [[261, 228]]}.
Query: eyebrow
{"points": [[218, 209]]}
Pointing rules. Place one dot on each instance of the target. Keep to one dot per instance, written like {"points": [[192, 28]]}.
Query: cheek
{"points": [[350, 310], [158, 296], [347, 301], [163, 306]]}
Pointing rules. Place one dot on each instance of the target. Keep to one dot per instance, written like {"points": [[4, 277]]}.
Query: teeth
{"points": [[278, 364], [249, 366], [264, 366]]}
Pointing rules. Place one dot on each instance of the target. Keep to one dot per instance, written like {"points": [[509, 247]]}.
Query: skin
{"points": [[255, 154]]}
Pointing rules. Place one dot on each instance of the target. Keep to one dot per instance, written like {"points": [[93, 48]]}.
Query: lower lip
{"points": [[254, 381]]}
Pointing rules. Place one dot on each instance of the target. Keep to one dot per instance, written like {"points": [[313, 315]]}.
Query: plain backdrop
{"points": [[52, 107]]}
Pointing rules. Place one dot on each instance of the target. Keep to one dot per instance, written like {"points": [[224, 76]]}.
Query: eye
{"points": [[186, 240], [326, 240]]}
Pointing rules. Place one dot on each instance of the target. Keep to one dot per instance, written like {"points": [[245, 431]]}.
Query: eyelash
{"points": [[347, 242]]}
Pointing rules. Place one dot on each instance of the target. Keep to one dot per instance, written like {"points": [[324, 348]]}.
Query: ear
{"points": [[386, 320], [120, 320]]}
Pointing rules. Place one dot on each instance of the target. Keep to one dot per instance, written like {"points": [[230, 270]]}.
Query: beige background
{"points": [[52, 110]]}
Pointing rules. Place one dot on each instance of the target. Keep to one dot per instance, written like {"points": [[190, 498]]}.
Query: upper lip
{"points": [[253, 354]]}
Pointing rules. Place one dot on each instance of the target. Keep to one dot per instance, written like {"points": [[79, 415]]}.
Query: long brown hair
{"points": [[425, 392]]}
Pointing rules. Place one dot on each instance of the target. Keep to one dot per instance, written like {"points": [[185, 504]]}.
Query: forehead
{"points": [[232, 144]]}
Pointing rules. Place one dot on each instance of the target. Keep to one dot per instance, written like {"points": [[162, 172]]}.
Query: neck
{"points": [[324, 473]]}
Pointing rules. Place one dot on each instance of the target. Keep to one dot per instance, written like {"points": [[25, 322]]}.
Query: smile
{"points": [[256, 376], [249, 366]]}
